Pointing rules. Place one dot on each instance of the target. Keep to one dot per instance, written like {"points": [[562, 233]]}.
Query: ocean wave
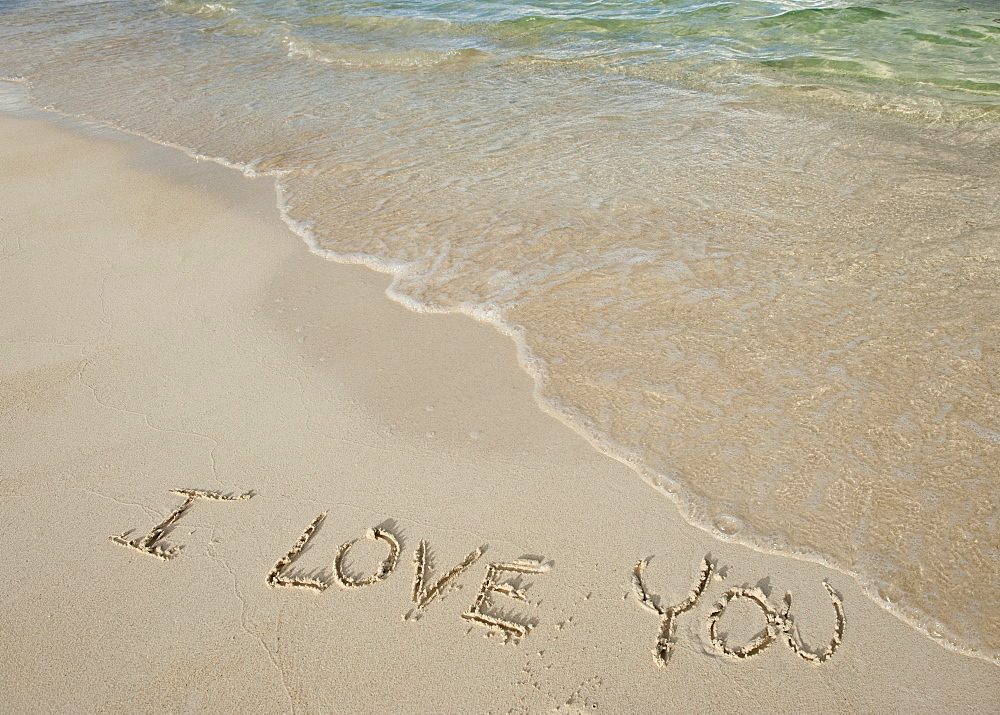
{"points": [[336, 54]]}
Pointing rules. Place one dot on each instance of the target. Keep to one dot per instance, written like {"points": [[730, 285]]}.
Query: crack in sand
{"points": [[271, 655], [17, 238], [149, 421]]}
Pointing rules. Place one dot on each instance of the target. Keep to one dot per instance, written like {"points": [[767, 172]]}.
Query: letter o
{"points": [[759, 643], [384, 569]]}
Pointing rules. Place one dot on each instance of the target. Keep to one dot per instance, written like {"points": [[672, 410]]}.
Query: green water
{"points": [[927, 56]]}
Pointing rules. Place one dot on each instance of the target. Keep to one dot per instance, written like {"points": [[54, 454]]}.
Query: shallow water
{"points": [[750, 248]]}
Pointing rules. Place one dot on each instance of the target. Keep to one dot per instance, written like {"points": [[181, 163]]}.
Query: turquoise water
{"points": [[751, 249], [916, 55]]}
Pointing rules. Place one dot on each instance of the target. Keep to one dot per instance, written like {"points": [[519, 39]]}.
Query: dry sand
{"points": [[162, 329]]}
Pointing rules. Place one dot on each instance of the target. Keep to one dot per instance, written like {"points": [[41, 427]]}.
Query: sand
{"points": [[162, 329]]}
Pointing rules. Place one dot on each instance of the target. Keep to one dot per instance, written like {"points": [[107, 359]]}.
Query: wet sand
{"points": [[162, 329]]}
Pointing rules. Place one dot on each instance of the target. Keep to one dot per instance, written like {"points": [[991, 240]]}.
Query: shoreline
{"points": [[295, 378], [690, 508]]}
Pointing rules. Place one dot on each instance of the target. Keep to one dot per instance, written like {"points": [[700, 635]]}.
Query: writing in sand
{"points": [[505, 579]]}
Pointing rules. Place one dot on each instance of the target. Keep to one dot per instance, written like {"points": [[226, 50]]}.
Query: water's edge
{"points": [[17, 94]]}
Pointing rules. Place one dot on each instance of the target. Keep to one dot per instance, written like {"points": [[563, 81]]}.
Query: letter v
{"points": [[423, 592]]}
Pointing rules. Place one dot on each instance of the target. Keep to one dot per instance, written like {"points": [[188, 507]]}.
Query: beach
{"points": [[746, 248], [163, 329]]}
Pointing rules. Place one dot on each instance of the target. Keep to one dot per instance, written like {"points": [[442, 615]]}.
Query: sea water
{"points": [[750, 248]]}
